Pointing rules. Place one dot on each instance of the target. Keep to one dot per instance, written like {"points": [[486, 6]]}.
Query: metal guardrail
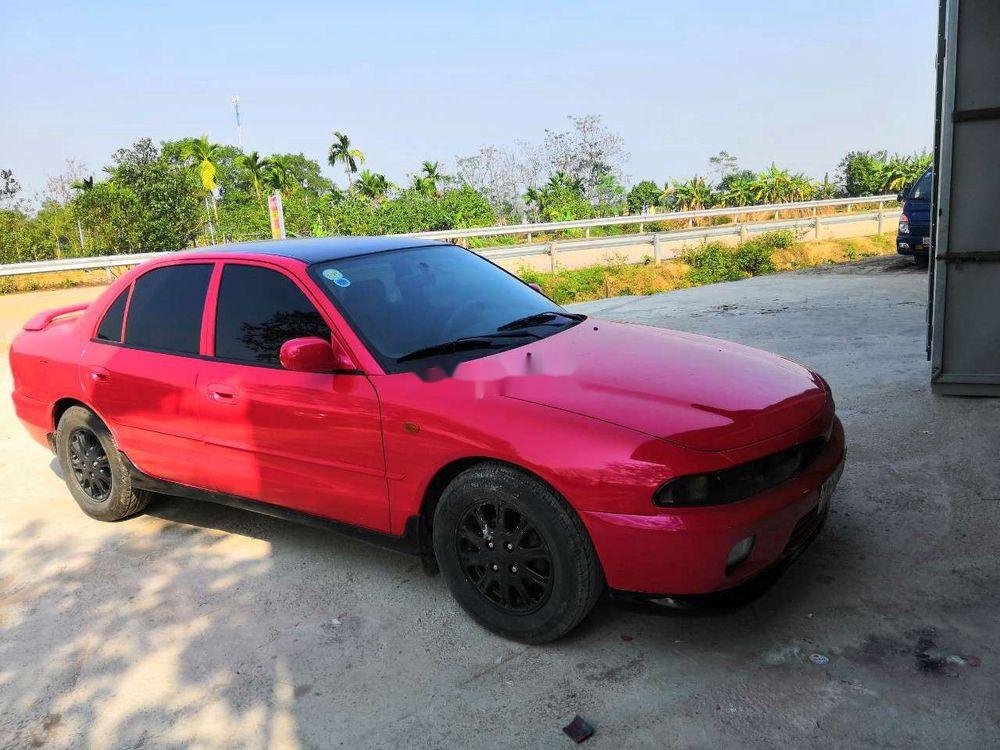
{"points": [[77, 264], [107, 262], [656, 239], [607, 221]]}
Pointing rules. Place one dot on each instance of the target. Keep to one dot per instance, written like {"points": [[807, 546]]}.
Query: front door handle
{"points": [[223, 394]]}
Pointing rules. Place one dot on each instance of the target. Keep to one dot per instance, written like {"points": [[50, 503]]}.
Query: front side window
{"points": [[110, 328], [438, 304], [166, 309], [258, 311]]}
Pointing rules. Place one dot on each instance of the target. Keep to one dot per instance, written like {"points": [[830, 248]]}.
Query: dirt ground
{"points": [[202, 626]]}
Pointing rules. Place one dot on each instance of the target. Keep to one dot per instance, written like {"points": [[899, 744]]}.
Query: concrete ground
{"points": [[197, 625]]}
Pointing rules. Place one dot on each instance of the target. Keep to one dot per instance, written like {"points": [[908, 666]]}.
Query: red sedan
{"points": [[417, 395]]}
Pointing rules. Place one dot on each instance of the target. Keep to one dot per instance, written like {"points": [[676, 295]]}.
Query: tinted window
{"points": [[166, 309], [403, 301], [111, 325], [258, 311], [922, 189]]}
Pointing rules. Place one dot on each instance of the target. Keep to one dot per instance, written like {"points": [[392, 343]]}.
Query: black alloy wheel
{"points": [[504, 557], [89, 464]]}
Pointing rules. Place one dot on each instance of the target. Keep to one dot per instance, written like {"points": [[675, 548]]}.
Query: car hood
{"points": [[694, 391]]}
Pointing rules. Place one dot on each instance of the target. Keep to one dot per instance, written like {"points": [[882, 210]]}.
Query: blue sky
{"points": [[799, 83]]}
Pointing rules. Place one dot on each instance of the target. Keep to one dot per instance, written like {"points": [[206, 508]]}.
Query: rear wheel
{"points": [[514, 555], [95, 473]]}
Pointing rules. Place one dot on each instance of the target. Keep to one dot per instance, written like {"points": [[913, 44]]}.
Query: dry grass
{"points": [[615, 278], [821, 252], [57, 280]]}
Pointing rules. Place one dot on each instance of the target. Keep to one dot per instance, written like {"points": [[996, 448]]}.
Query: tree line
{"points": [[192, 191]]}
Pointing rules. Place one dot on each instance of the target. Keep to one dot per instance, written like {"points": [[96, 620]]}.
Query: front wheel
{"points": [[95, 473], [514, 555]]}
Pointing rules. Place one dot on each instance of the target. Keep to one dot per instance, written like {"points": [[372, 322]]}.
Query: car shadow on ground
{"points": [[229, 621]]}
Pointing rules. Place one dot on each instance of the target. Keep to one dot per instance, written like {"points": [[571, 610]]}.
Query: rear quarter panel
{"points": [[45, 363], [44, 366]]}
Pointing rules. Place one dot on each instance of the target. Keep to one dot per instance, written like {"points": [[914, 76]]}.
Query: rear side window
{"points": [[923, 187], [166, 309], [259, 310], [111, 325]]}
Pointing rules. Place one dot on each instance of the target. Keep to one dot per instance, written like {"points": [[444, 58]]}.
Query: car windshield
{"points": [[922, 188], [432, 302]]}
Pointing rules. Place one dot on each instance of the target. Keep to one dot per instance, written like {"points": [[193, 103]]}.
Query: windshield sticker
{"points": [[336, 277]]}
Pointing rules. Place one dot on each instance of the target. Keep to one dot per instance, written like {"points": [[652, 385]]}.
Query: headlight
{"points": [[690, 490], [738, 482]]}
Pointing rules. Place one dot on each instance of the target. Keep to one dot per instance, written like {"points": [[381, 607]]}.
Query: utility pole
{"points": [[239, 128]]}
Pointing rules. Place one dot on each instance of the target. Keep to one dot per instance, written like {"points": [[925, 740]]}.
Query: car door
{"points": [[307, 441], [139, 370]]}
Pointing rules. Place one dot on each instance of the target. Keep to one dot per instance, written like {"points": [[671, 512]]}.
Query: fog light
{"points": [[739, 552], [904, 245]]}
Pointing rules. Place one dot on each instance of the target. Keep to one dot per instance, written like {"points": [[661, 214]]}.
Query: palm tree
{"points": [[277, 176], [372, 186], [253, 164], [341, 152], [427, 181], [432, 170], [205, 155], [535, 196], [423, 184]]}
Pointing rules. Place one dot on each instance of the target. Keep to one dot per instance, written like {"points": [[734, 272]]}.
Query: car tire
{"points": [[493, 518], [95, 473], [921, 261]]}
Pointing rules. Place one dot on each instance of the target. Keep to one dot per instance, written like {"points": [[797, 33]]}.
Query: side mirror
{"points": [[313, 354]]}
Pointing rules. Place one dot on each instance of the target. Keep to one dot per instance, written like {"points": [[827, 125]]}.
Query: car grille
{"points": [[805, 529]]}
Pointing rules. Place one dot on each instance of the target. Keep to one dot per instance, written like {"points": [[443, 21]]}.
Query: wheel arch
{"points": [[63, 405], [447, 473]]}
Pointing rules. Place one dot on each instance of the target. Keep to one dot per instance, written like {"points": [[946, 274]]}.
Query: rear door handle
{"points": [[223, 394], [99, 375]]}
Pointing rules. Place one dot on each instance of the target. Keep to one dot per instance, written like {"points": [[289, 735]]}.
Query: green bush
{"points": [[754, 257], [569, 285], [712, 263], [715, 262]]}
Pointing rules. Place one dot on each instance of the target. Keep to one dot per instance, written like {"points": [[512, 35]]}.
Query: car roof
{"points": [[318, 249]]}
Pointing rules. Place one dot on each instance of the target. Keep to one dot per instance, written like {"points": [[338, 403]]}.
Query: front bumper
{"points": [[684, 550]]}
